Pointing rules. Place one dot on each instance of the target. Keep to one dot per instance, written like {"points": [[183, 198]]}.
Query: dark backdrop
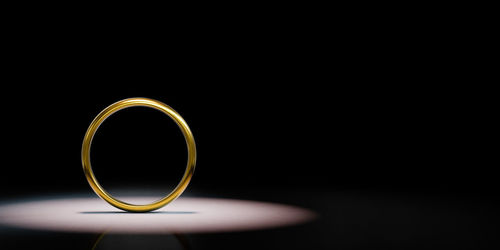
{"points": [[249, 134], [297, 106]]}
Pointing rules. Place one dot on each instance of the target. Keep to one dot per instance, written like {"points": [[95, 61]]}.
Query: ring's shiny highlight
{"points": [[142, 102]]}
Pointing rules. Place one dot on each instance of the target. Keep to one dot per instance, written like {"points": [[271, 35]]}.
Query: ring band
{"points": [[141, 102]]}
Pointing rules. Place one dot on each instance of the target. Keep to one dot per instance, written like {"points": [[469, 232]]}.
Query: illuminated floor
{"points": [[184, 215], [361, 219]]}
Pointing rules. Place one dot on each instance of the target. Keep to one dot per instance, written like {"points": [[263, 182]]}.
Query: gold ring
{"points": [[141, 102]]}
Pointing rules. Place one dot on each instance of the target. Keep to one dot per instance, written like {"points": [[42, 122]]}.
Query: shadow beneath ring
{"points": [[124, 212]]}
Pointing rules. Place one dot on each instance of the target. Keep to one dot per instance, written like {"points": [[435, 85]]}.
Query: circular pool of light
{"points": [[184, 215]]}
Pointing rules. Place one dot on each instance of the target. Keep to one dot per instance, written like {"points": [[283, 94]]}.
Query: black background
{"points": [[291, 125], [316, 104]]}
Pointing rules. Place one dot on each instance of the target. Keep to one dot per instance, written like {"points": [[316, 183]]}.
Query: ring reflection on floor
{"points": [[141, 241], [185, 215]]}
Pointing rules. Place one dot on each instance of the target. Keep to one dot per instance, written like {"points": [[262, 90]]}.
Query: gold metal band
{"points": [[143, 102]]}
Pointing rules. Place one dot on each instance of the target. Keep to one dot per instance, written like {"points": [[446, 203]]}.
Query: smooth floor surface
{"points": [[260, 219], [184, 215]]}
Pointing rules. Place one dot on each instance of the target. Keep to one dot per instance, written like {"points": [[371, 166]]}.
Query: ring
{"points": [[141, 102]]}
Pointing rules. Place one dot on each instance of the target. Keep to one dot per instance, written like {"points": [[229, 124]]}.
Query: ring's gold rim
{"points": [[141, 102]]}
